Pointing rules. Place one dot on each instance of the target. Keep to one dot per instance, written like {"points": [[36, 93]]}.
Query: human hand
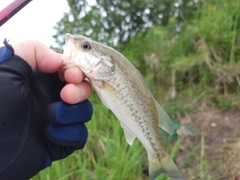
{"points": [[40, 57], [36, 127]]}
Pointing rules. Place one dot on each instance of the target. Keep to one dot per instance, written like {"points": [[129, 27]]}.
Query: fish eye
{"points": [[86, 46]]}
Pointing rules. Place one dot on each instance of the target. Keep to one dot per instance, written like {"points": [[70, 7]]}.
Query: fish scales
{"points": [[123, 90], [135, 109], [126, 85]]}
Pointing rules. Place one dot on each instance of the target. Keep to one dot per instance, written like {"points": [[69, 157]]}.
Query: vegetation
{"points": [[116, 22], [188, 53]]}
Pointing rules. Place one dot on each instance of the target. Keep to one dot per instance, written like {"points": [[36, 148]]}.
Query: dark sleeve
{"points": [[24, 97], [14, 121], [25, 100]]}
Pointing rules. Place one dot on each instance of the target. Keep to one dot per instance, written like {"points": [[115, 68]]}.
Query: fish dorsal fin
{"points": [[165, 121], [128, 135]]}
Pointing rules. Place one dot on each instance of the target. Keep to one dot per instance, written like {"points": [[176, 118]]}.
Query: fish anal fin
{"points": [[128, 135], [165, 121]]}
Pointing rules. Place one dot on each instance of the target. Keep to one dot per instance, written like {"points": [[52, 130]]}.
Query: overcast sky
{"points": [[34, 21]]}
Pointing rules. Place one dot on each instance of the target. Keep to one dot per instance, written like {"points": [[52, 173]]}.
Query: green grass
{"points": [[106, 155]]}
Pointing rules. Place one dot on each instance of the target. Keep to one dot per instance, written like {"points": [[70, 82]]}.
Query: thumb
{"points": [[38, 56]]}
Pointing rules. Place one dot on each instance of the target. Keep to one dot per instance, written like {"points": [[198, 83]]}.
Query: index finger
{"points": [[38, 56]]}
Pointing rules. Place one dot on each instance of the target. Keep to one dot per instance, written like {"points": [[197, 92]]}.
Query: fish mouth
{"points": [[69, 49]]}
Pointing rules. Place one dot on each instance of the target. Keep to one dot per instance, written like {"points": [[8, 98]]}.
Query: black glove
{"points": [[36, 127]]}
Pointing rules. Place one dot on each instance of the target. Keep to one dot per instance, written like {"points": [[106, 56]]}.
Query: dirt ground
{"points": [[217, 144]]}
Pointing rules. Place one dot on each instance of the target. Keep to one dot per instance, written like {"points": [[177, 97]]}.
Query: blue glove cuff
{"points": [[69, 114], [67, 126], [68, 134], [6, 52], [48, 160]]}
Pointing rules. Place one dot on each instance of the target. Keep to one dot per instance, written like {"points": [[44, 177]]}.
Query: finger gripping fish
{"points": [[123, 90]]}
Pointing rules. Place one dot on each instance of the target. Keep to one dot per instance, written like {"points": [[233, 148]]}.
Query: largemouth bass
{"points": [[123, 90]]}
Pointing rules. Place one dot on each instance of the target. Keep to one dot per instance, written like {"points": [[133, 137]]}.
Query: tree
{"points": [[116, 21], [202, 58]]}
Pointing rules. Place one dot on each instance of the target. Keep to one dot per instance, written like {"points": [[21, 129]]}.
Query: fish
{"points": [[122, 89]]}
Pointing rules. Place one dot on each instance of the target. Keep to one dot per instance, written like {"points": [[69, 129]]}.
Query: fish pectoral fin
{"points": [[165, 121], [128, 135], [103, 96]]}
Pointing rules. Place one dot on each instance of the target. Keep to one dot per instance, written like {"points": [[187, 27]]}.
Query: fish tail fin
{"points": [[166, 166]]}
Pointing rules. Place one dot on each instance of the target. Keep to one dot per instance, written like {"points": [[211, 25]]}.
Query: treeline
{"points": [[187, 51]]}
